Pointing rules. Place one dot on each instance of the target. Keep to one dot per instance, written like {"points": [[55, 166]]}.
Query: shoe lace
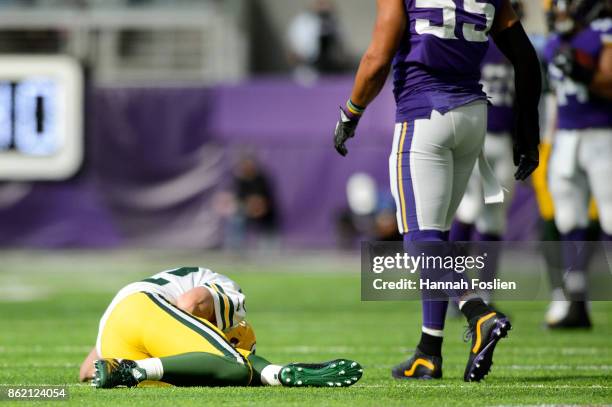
{"points": [[468, 334]]}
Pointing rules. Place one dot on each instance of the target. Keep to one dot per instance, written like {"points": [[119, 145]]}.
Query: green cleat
{"points": [[112, 373], [336, 373]]}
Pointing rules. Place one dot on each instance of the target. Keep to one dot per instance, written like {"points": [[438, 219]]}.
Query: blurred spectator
{"points": [[315, 43], [251, 209]]}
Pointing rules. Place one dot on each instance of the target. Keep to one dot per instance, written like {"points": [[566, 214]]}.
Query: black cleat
{"points": [[485, 331], [112, 373], [419, 366], [335, 373], [577, 317]]}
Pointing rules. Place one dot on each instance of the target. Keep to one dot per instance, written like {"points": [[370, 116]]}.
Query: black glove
{"points": [[526, 139], [345, 129], [567, 61], [527, 162]]}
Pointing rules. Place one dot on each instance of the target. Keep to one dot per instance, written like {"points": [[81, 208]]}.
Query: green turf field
{"points": [[304, 308]]}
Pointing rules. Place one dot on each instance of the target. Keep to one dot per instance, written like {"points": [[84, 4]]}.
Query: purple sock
{"points": [[434, 311], [426, 236], [461, 232], [434, 314], [487, 237], [575, 253], [606, 237], [576, 256]]}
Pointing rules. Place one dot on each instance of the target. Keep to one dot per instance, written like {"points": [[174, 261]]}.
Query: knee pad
{"points": [[568, 220]]}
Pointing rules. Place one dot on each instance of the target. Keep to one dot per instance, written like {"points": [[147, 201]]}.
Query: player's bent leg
{"points": [[189, 369], [171, 331], [160, 330], [120, 330], [205, 369]]}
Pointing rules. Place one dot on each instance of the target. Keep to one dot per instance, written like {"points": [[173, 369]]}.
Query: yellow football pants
{"points": [[145, 325]]}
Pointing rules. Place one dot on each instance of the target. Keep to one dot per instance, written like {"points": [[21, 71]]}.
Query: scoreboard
{"points": [[41, 117]]}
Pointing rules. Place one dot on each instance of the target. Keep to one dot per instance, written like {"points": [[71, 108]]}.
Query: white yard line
{"points": [[488, 385]]}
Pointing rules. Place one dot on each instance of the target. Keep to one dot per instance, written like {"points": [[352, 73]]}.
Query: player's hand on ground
{"points": [[527, 161], [345, 129]]}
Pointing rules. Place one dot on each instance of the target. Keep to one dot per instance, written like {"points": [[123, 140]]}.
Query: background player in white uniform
{"points": [[186, 327], [579, 57]]}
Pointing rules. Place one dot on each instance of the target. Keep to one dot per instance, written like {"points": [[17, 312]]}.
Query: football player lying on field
{"points": [[186, 327]]}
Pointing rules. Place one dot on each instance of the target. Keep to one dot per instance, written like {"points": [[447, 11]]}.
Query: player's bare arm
{"points": [[373, 68], [602, 79], [199, 302], [376, 62], [87, 370], [511, 39]]}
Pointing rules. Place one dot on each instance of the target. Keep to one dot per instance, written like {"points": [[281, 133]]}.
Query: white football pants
{"points": [[581, 167], [430, 165]]}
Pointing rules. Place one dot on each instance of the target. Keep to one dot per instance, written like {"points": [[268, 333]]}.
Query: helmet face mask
{"points": [[567, 16]]}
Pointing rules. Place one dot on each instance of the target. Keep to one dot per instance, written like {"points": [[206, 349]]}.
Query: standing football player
{"points": [[489, 221], [579, 57], [436, 48]]}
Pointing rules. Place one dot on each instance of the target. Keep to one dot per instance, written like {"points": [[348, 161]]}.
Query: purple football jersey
{"points": [[577, 108], [437, 66], [498, 83]]}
